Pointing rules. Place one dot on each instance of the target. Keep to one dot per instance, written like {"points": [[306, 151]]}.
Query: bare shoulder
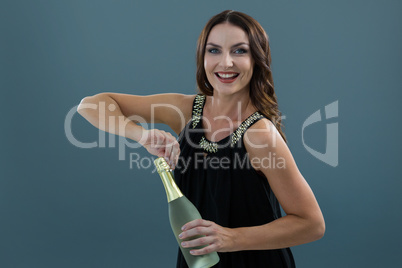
{"points": [[261, 140], [262, 133]]}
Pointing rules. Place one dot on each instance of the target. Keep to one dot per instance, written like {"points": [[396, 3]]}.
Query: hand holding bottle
{"points": [[162, 144], [214, 237]]}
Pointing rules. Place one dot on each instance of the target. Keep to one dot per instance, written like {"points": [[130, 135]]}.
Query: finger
{"points": [[175, 150], [196, 222], [175, 154], [200, 241], [154, 138], [167, 147], [159, 139], [168, 152], [197, 231], [204, 250]]}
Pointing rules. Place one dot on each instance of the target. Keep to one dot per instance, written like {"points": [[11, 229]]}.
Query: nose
{"points": [[226, 61]]}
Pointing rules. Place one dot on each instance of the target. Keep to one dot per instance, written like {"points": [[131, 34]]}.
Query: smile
{"points": [[227, 77]]}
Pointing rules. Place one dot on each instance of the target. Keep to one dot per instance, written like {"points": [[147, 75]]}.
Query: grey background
{"points": [[64, 206]]}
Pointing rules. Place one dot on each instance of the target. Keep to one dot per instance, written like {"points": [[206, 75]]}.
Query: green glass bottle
{"points": [[182, 211]]}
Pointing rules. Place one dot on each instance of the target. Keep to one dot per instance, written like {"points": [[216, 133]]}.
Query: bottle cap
{"points": [[161, 165]]}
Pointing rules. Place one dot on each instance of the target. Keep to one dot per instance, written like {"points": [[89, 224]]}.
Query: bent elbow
{"points": [[315, 229], [319, 229], [81, 105], [87, 103]]}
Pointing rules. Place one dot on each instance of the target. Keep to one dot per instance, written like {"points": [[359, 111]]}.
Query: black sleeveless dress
{"points": [[226, 189]]}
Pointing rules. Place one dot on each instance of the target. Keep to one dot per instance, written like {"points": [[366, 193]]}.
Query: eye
{"points": [[213, 50], [240, 51]]}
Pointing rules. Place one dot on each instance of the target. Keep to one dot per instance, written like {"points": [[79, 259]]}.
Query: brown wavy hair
{"points": [[262, 92]]}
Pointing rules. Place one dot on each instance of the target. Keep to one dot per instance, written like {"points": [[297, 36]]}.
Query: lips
{"points": [[226, 77], [227, 74]]}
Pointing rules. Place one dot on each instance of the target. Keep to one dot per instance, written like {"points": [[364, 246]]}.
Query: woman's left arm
{"points": [[303, 222]]}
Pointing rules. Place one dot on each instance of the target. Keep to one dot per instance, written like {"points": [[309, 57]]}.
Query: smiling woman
{"points": [[226, 62], [238, 169]]}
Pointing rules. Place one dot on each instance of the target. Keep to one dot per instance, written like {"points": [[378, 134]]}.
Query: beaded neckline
{"points": [[210, 146]]}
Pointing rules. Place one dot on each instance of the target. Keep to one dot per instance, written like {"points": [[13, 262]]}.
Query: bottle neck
{"points": [[172, 190]]}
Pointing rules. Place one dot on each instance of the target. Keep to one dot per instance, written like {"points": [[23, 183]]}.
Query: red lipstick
{"points": [[221, 76]]}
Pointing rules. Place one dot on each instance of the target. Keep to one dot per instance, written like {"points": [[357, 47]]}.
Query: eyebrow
{"points": [[235, 45]]}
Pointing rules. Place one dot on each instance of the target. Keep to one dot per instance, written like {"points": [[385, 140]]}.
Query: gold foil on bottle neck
{"points": [[161, 165], [172, 190]]}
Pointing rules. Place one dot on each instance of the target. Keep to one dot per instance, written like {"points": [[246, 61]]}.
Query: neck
{"points": [[236, 106]]}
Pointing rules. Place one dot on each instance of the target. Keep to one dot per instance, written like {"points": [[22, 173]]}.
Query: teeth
{"points": [[226, 75]]}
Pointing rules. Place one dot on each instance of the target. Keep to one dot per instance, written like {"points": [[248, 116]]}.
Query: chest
{"points": [[217, 130]]}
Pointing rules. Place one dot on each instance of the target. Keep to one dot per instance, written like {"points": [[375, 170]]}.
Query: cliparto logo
{"points": [[118, 125], [330, 156]]}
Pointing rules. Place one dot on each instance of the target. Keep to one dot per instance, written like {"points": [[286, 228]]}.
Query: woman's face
{"points": [[227, 61]]}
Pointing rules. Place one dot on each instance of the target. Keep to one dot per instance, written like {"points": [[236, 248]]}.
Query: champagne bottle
{"points": [[181, 211]]}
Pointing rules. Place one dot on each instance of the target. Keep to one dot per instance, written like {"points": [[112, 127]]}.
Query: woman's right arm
{"points": [[119, 114]]}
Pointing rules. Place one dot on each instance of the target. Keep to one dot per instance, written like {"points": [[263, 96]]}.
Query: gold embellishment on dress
{"points": [[243, 126], [210, 147], [199, 101]]}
